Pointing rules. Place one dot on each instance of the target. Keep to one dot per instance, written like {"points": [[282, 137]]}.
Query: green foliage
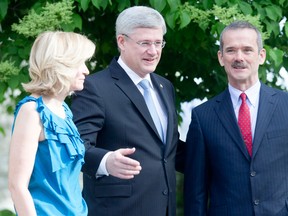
{"points": [[6, 213], [3, 9], [8, 76], [189, 59], [51, 17], [193, 31], [100, 4], [7, 69], [158, 4], [205, 18]]}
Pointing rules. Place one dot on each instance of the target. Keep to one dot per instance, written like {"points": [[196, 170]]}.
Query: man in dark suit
{"points": [[231, 170], [129, 165]]}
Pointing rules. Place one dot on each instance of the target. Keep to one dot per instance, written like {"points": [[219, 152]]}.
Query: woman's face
{"points": [[78, 82]]}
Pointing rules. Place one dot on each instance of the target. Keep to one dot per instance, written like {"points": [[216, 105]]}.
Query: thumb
{"points": [[126, 151]]}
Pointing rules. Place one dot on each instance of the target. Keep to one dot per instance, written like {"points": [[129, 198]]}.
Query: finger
{"points": [[129, 162], [127, 174], [120, 155], [126, 151], [126, 163], [129, 168]]}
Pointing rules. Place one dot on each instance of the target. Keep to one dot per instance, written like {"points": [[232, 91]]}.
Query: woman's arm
{"points": [[23, 147]]}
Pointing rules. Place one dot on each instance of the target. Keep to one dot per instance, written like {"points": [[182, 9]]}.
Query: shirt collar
{"points": [[133, 76], [252, 94]]}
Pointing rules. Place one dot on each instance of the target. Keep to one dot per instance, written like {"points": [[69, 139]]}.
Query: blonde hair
{"points": [[53, 59]]}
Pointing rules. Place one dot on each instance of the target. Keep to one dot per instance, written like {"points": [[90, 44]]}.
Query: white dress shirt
{"points": [[253, 94]]}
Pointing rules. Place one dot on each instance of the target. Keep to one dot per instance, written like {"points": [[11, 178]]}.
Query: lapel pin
{"points": [[161, 86]]}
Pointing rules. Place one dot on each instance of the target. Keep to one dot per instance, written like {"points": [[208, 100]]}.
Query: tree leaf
{"points": [[220, 2], [159, 5], [100, 4], [84, 4], [286, 29], [5, 212], [276, 55], [207, 4], [3, 9], [245, 7], [14, 82], [170, 19], [76, 23], [122, 4], [260, 9], [274, 12], [173, 4], [272, 27], [3, 88], [281, 2], [184, 19]]}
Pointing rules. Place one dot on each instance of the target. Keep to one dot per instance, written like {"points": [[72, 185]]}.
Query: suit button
{"points": [[256, 202], [165, 192], [253, 173]]}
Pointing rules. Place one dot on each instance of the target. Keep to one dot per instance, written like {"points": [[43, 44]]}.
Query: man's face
{"points": [[142, 59], [241, 57]]}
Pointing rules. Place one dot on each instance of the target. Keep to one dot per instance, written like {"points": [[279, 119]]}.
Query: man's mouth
{"points": [[238, 65]]}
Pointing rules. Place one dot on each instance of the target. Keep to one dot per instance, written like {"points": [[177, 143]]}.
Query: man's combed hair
{"points": [[139, 17], [54, 59]]}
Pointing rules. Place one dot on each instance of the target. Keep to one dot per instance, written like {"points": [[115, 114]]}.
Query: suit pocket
{"points": [[113, 190]]}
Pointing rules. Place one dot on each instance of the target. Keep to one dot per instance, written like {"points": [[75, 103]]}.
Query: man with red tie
{"points": [[237, 143]]}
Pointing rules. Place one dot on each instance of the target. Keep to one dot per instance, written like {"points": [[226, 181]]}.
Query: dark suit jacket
{"points": [[219, 168], [111, 113]]}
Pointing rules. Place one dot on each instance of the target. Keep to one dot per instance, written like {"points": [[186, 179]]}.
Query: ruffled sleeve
{"points": [[62, 137], [18, 106]]}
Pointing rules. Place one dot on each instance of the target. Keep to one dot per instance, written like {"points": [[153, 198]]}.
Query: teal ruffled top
{"points": [[54, 184]]}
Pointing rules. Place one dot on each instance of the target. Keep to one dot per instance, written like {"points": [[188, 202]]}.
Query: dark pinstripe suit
{"points": [[219, 168], [111, 113]]}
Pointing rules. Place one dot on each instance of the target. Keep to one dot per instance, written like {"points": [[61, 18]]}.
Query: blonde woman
{"points": [[46, 152]]}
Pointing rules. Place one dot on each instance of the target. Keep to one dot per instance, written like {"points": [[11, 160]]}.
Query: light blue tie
{"points": [[151, 106]]}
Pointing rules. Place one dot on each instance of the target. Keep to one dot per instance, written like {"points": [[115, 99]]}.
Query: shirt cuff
{"points": [[102, 171]]}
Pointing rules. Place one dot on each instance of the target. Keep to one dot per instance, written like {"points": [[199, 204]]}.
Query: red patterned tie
{"points": [[244, 123]]}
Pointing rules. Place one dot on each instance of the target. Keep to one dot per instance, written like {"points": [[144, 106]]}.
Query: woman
{"points": [[46, 152]]}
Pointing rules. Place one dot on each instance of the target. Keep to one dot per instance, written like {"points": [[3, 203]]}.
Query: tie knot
{"points": [[144, 84], [243, 96]]}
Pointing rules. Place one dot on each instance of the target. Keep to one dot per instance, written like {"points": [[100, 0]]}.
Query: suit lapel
{"points": [[267, 105], [125, 84], [224, 110]]}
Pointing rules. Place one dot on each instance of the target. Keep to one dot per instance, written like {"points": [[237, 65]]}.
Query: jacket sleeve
{"points": [[89, 115], [195, 175]]}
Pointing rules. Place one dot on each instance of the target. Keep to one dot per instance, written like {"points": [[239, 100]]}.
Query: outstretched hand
{"points": [[121, 166]]}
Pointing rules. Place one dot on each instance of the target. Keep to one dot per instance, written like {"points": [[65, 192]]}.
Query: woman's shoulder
{"points": [[27, 105], [26, 114]]}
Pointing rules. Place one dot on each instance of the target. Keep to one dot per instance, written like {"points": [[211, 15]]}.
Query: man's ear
{"points": [[220, 58], [120, 42], [262, 56]]}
